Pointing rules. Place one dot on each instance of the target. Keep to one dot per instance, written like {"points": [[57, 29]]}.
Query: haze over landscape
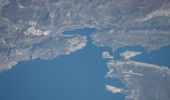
{"points": [[46, 30]]}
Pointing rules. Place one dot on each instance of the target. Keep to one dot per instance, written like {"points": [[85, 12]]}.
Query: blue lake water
{"points": [[78, 76]]}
